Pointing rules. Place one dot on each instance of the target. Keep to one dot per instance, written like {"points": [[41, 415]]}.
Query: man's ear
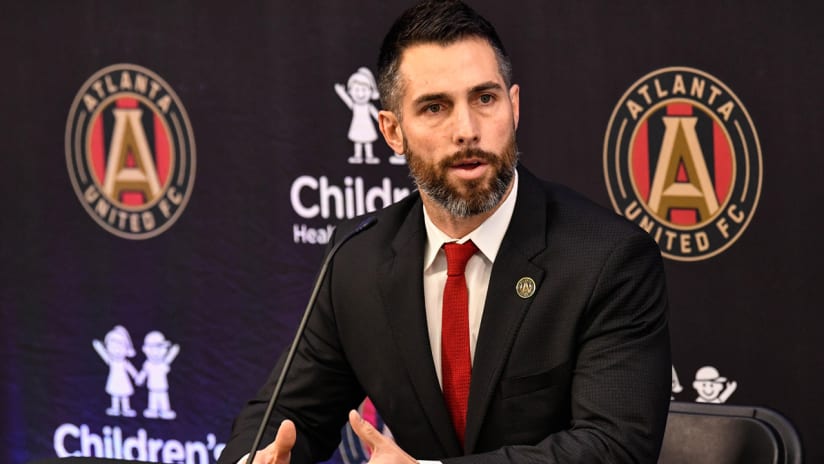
{"points": [[391, 129], [515, 98]]}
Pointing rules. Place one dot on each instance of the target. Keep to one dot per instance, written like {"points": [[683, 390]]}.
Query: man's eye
{"points": [[433, 108], [486, 98]]}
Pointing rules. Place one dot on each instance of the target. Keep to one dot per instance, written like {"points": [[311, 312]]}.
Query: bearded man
{"points": [[490, 317]]}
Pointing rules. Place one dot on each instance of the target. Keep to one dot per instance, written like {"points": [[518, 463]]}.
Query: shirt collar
{"points": [[487, 236]]}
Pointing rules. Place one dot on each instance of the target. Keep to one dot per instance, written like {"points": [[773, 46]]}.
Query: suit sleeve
{"points": [[319, 390], [622, 377]]}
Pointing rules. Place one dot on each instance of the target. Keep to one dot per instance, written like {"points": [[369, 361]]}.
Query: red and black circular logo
{"points": [[682, 160], [130, 151]]}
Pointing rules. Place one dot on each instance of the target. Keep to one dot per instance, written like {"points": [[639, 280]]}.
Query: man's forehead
{"points": [[467, 61]]}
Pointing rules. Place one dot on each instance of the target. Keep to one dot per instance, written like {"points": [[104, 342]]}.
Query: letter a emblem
{"points": [[130, 166], [681, 179]]}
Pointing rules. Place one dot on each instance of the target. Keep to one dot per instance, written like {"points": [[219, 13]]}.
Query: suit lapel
{"points": [[401, 285], [504, 310]]}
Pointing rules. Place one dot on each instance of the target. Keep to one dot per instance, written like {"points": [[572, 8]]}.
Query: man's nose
{"points": [[466, 130]]}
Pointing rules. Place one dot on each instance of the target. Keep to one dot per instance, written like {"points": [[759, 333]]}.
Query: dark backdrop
{"points": [[226, 282]]}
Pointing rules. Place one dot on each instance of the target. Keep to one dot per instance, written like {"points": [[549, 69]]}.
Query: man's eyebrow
{"points": [[428, 97], [486, 86]]}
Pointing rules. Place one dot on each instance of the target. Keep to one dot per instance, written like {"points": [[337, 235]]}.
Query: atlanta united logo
{"points": [[682, 160], [130, 151]]}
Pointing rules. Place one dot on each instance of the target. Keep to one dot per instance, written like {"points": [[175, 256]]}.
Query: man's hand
{"points": [[384, 450], [280, 450]]}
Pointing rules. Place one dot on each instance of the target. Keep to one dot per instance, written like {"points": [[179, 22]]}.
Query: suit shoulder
{"points": [[570, 209]]}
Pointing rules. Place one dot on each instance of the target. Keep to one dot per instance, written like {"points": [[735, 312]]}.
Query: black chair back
{"points": [[726, 434]]}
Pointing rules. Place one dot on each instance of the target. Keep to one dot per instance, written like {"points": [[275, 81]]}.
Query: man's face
{"points": [[457, 125]]}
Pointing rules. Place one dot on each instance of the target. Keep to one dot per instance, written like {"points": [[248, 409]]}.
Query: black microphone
{"points": [[365, 224]]}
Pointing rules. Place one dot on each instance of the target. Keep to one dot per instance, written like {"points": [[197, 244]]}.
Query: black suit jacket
{"points": [[579, 372]]}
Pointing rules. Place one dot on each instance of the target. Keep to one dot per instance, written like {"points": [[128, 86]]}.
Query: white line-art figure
{"points": [[358, 94], [676, 384], [159, 356], [711, 387], [114, 350]]}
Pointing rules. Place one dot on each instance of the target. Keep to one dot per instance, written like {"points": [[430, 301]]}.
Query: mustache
{"points": [[469, 153]]}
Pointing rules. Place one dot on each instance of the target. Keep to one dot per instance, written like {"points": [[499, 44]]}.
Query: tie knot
{"points": [[457, 256]]}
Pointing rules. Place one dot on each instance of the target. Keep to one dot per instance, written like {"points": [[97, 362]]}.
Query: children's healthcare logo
{"points": [[130, 151], [683, 161], [331, 198], [133, 438], [115, 350]]}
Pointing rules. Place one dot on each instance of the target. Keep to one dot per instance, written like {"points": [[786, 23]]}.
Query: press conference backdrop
{"points": [[171, 172]]}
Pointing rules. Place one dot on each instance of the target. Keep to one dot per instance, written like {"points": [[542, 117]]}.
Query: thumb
{"points": [[363, 429], [284, 442]]}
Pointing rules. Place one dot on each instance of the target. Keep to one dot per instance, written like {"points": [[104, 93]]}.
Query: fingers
{"points": [[384, 449], [364, 430]]}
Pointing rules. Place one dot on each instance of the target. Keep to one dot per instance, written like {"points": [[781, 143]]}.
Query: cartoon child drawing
{"points": [[711, 387], [159, 356], [117, 346], [360, 90]]}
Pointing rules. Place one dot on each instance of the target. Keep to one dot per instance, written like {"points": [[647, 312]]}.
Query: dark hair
{"points": [[432, 21]]}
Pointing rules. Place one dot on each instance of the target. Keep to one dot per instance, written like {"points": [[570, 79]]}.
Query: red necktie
{"points": [[455, 358]]}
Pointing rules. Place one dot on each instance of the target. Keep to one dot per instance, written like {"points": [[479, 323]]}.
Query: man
{"points": [[562, 306]]}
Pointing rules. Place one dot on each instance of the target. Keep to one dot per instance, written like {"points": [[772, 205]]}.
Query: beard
{"points": [[467, 198]]}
